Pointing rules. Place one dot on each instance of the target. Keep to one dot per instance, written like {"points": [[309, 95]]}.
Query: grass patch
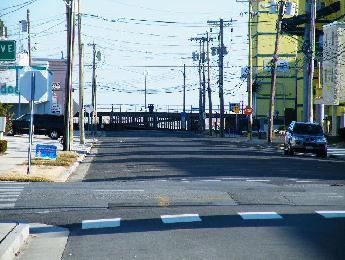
{"points": [[63, 159]]}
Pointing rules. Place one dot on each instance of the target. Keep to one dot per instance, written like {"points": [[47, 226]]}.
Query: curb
{"points": [[74, 167], [14, 241], [45, 242]]}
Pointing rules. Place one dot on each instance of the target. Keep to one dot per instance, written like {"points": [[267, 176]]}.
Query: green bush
{"points": [[5, 110], [3, 146]]}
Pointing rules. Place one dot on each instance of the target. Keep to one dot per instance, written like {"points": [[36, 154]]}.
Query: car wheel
{"points": [[53, 134], [286, 151]]}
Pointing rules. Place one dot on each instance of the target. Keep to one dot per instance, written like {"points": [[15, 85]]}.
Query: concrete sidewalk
{"points": [[12, 237], [17, 151]]}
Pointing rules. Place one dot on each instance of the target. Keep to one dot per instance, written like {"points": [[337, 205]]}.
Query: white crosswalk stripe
{"points": [[336, 151], [9, 193]]}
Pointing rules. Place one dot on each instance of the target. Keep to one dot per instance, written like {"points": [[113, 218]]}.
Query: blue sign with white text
{"points": [[46, 151]]}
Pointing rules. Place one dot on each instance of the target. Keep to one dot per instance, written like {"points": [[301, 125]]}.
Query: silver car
{"points": [[305, 138]]}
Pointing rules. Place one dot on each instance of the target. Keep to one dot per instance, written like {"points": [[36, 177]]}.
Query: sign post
{"points": [[31, 120], [7, 50]]}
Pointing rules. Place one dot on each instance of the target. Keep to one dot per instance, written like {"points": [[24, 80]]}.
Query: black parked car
{"points": [[50, 125], [305, 138]]}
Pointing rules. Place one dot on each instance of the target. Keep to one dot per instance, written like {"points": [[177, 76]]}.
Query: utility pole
{"points": [[94, 104], [250, 71], [71, 125], [221, 23], [184, 88], [201, 112], [209, 91], [29, 36], [145, 90], [81, 81], [274, 71], [66, 143], [203, 83], [221, 77], [310, 112]]}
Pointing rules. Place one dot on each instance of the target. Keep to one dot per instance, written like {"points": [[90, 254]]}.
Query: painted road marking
{"points": [[8, 205], [211, 180], [9, 194], [259, 215], [332, 214], [9, 189], [304, 181], [234, 178], [7, 199], [168, 219], [101, 223], [118, 190], [13, 183], [258, 180]]}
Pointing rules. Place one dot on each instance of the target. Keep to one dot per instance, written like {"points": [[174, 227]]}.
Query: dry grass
{"points": [[24, 179], [63, 159]]}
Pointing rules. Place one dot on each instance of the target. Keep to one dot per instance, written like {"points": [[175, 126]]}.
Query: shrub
{"points": [[5, 110], [3, 146]]}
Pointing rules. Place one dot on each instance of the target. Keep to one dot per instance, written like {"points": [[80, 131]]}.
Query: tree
{"points": [[5, 110]]}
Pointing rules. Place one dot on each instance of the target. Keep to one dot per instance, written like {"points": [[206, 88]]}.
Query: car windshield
{"points": [[308, 129]]}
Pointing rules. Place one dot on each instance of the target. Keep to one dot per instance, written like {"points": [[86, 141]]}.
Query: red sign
{"points": [[248, 111]]}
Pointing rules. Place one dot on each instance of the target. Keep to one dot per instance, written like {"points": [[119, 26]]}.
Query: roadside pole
{"points": [[29, 36], [200, 95], [203, 86], [209, 91], [184, 88], [250, 71], [71, 125], [66, 143], [81, 81], [221, 77], [31, 121], [274, 72], [311, 56]]}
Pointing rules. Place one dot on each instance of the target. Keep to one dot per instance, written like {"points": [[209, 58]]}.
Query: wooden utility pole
{"points": [[184, 88], [29, 37], [221, 77], [81, 81], [201, 117], [209, 91], [203, 84], [310, 112], [201, 41], [250, 71], [71, 124], [145, 90], [221, 23], [66, 143], [94, 91], [274, 72]]}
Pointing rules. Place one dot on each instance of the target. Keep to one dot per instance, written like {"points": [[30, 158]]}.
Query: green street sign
{"points": [[8, 50]]}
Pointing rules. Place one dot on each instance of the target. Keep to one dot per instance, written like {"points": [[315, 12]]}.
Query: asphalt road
{"points": [[244, 202]]}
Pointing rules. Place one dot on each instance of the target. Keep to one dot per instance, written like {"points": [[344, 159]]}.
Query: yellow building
{"points": [[289, 81], [263, 36]]}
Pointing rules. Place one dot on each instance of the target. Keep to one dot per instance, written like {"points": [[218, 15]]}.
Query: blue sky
{"points": [[128, 41]]}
